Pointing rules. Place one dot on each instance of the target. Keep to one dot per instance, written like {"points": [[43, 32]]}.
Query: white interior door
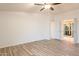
{"points": [[75, 30]]}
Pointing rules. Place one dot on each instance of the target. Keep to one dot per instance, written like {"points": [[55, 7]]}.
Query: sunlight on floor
{"points": [[68, 42], [69, 39]]}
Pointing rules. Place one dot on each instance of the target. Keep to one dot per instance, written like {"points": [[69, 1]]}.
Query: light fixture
{"points": [[47, 6]]}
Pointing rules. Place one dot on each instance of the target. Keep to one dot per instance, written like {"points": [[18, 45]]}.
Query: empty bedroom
{"points": [[39, 29]]}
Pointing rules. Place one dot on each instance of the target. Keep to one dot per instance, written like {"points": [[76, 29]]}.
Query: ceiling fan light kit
{"points": [[47, 6]]}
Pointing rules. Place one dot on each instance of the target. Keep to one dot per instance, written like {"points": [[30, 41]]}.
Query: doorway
{"points": [[68, 30]]}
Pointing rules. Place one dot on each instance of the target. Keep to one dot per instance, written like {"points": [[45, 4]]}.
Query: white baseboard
{"points": [[17, 43]]}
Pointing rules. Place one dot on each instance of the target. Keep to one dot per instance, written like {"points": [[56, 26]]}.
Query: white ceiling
{"points": [[30, 7]]}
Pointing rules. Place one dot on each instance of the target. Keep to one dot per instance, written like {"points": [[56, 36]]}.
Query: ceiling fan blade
{"points": [[42, 9], [38, 4], [51, 8], [56, 3]]}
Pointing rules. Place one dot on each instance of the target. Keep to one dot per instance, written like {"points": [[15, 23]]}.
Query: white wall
{"points": [[58, 22], [56, 28], [20, 27]]}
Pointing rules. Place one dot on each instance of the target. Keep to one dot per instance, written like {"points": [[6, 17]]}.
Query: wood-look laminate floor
{"points": [[42, 48]]}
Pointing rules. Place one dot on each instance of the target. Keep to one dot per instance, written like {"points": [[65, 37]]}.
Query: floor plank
{"points": [[42, 48]]}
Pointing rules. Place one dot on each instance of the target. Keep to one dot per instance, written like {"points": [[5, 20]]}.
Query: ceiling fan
{"points": [[46, 5]]}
